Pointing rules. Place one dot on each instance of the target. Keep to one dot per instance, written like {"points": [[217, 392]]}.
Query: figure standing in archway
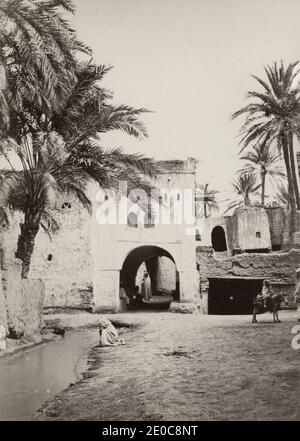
{"points": [[146, 287]]}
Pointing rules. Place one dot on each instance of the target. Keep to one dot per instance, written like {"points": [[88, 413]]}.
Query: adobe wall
{"points": [[207, 225], [250, 229], [21, 301], [166, 275], [80, 265], [113, 243], [277, 219], [63, 262], [278, 268]]}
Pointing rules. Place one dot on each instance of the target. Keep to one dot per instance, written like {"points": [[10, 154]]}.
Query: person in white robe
{"points": [[146, 287], [124, 299], [108, 334]]}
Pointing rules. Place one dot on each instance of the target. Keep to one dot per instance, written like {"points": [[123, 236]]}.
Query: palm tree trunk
{"points": [[246, 199], [294, 169], [26, 240], [263, 187], [286, 155]]}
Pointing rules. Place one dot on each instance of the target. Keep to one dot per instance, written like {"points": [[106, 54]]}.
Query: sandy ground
{"points": [[189, 367]]}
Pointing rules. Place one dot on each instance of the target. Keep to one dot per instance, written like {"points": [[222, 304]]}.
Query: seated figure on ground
{"points": [[108, 334]]}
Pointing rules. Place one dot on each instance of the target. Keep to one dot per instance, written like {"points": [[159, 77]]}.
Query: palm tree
{"points": [[59, 149], [283, 197], [207, 199], [38, 54], [274, 117], [262, 161], [58, 170], [245, 185]]}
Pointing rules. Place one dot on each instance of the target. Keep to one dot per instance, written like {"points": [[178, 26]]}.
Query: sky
{"points": [[190, 62]]}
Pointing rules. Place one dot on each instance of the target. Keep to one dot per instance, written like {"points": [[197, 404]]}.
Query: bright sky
{"points": [[190, 62]]}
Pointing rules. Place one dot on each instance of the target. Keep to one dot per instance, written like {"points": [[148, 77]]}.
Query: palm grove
{"points": [[53, 111], [268, 134]]}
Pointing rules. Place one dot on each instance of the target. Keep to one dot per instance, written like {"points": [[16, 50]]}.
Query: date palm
{"points": [[273, 117], [59, 147], [38, 54], [245, 186], [207, 199], [283, 196], [263, 162]]}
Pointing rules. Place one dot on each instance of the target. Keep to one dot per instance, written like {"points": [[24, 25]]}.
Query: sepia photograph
{"points": [[149, 213]]}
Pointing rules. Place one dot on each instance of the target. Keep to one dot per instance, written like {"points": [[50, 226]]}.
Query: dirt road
{"points": [[190, 367]]}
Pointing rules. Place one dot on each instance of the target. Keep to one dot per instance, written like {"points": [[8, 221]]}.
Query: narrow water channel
{"points": [[28, 379]]}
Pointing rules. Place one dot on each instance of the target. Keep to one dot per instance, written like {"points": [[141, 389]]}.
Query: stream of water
{"points": [[30, 378]]}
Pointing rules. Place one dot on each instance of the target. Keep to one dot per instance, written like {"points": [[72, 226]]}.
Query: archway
{"points": [[218, 239], [163, 274]]}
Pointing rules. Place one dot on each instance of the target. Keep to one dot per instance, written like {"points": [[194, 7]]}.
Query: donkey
{"points": [[272, 305]]}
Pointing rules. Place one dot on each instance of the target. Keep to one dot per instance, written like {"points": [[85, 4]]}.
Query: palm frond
{"points": [[4, 220], [233, 205], [49, 224], [283, 196]]}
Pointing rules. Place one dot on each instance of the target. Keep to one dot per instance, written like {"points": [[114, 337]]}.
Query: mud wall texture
{"points": [[250, 229], [21, 302], [277, 221], [278, 268], [166, 274], [64, 261]]}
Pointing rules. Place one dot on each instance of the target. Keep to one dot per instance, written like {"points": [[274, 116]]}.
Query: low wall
{"points": [[24, 300]]}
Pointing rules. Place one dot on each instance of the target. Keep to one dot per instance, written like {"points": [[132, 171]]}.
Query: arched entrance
{"points": [[162, 270], [218, 239]]}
